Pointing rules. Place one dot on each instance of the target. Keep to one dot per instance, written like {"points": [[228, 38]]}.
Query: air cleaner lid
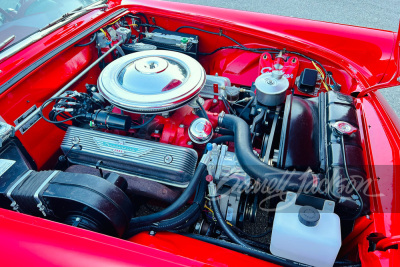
{"points": [[151, 81]]}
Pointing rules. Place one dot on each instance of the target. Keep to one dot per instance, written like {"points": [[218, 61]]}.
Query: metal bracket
{"points": [[40, 205], [14, 204]]}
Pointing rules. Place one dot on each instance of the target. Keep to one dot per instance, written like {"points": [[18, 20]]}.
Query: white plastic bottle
{"points": [[305, 234]]}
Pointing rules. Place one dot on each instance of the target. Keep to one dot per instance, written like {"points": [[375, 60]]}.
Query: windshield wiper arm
{"points": [[7, 42], [78, 10]]}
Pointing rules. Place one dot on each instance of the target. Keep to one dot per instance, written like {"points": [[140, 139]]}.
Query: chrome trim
{"points": [[126, 99]]}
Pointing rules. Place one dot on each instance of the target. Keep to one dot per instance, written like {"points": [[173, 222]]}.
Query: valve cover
{"points": [[163, 163]]}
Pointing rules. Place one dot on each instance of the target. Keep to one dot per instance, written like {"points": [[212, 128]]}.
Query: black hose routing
{"points": [[275, 178]]}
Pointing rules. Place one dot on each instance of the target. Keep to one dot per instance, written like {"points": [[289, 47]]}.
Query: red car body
{"points": [[363, 60]]}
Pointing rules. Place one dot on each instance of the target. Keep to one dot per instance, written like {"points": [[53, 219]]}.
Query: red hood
{"points": [[367, 54]]}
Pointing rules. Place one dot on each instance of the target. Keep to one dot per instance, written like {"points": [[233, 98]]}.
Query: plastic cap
{"points": [[209, 147], [309, 216], [184, 40]]}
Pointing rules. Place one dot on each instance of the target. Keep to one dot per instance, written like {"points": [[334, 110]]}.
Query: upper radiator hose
{"points": [[276, 179]]}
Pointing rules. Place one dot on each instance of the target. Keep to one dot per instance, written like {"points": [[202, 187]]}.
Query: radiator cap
{"points": [[151, 82]]}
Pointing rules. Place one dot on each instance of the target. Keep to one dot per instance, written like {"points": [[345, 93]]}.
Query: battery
{"points": [[174, 41]]}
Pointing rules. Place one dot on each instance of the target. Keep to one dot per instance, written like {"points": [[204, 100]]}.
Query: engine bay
{"points": [[160, 143]]}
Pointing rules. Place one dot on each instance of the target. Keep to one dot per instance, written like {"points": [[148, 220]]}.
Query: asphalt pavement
{"points": [[366, 13]]}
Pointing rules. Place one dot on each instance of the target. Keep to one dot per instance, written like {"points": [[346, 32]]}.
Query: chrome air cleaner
{"points": [[151, 82]]}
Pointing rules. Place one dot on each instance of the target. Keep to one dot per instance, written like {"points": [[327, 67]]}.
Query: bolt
{"points": [[197, 227], [152, 233], [215, 101], [181, 126], [168, 159], [398, 79], [75, 140], [189, 143], [259, 110], [156, 131]]}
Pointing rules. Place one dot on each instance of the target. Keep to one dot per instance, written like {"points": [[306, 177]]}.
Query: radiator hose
{"points": [[275, 178], [174, 207], [188, 217]]}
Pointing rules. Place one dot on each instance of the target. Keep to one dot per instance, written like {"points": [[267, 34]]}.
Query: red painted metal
{"points": [[361, 60], [289, 67], [195, 249], [175, 127], [388, 243]]}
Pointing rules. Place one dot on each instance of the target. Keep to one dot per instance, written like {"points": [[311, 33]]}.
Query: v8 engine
{"points": [[283, 154]]}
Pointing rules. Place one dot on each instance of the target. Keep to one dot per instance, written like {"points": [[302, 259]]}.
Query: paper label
{"points": [[5, 164]]}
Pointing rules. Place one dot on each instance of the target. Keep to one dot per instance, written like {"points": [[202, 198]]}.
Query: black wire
{"points": [[57, 122], [223, 225], [246, 107], [336, 87], [214, 33], [53, 116], [310, 59], [151, 26], [349, 180], [203, 111], [142, 15], [91, 41], [144, 124], [255, 50], [248, 251], [227, 105]]}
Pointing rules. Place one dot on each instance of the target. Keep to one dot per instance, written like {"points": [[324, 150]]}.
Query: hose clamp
{"points": [[212, 189], [221, 117], [206, 158]]}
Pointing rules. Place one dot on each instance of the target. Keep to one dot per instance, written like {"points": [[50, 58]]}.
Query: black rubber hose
{"points": [[223, 131], [144, 124], [142, 15], [245, 250], [221, 222], [275, 178], [202, 111], [223, 139], [188, 217], [246, 107], [191, 221], [174, 207], [91, 41]]}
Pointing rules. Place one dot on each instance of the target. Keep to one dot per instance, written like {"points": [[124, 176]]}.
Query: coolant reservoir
{"points": [[306, 234]]}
